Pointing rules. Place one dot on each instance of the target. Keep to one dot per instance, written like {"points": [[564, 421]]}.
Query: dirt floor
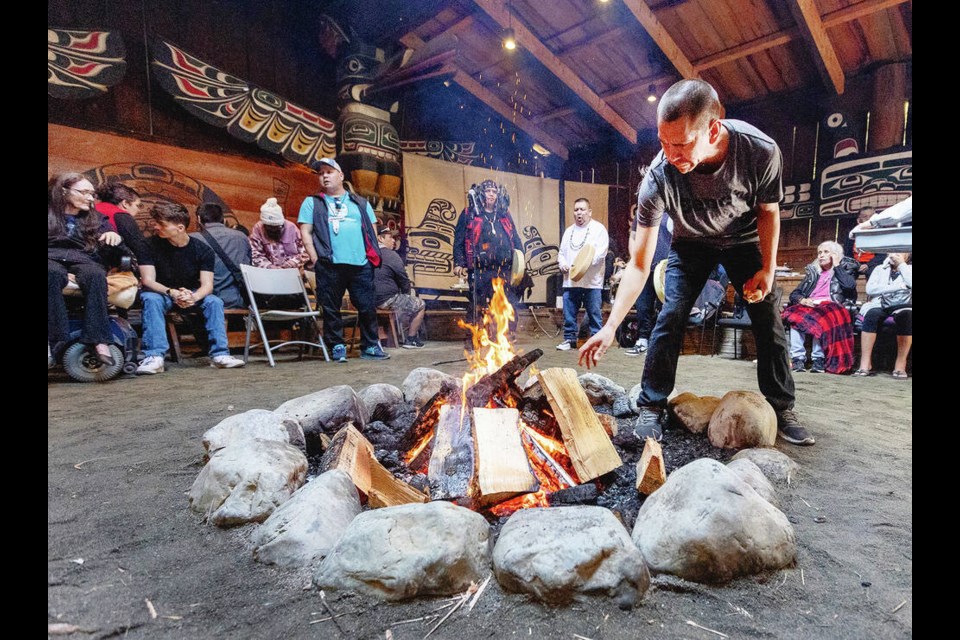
{"points": [[127, 558]]}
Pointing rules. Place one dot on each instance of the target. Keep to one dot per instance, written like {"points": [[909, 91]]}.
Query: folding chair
{"points": [[278, 282]]}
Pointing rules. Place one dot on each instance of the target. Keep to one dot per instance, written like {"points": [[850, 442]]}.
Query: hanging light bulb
{"points": [[509, 40], [651, 93]]}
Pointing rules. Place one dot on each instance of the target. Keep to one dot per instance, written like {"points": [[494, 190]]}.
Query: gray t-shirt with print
{"points": [[718, 209]]}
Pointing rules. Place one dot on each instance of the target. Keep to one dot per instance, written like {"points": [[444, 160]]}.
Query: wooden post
{"points": [[588, 445], [503, 470]]}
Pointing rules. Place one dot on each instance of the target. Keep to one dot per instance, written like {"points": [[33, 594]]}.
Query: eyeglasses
{"points": [[91, 194]]}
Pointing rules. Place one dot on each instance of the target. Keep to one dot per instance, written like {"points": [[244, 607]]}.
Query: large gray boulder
{"points": [[401, 552], [381, 400], [743, 419], [302, 530], [562, 553], [423, 383], [691, 411], [245, 482], [255, 423], [325, 411], [750, 473], [600, 389], [778, 467], [705, 524]]}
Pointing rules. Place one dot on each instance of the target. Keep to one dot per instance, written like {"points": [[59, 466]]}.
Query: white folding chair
{"points": [[278, 282]]}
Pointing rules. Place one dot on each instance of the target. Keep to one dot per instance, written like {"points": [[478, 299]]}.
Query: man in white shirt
{"points": [[587, 290]]}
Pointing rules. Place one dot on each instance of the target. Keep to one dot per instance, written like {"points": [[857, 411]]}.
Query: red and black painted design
{"points": [[247, 112], [83, 64]]}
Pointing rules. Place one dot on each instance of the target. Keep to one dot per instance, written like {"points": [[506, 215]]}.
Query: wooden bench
{"points": [[179, 329]]}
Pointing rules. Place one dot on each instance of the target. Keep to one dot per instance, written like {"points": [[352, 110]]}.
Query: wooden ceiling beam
{"points": [[499, 13], [807, 15], [487, 97], [832, 19], [677, 58]]}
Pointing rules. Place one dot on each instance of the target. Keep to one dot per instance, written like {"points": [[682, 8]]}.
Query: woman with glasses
{"points": [[80, 243]]}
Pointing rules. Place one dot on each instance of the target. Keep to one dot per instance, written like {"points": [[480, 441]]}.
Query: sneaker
{"points": [[226, 361], [150, 366], [51, 363], [412, 342], [373, 353], [638, 348], [817, 366], [791, 430], [649, 424], [798, 365], [339, 353], [564, 346]]}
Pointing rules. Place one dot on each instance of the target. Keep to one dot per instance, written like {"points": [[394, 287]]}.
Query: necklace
{"points": [[491, 219], [339, 214], [574, 245]]}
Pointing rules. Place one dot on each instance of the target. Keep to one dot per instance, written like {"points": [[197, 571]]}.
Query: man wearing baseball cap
{"points": [[393, 285], [338, 233]]}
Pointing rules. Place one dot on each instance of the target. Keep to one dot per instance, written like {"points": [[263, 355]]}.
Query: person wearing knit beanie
{"points": [[275, 242], [271, 213]]}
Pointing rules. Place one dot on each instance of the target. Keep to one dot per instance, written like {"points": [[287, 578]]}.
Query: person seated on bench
{"points": [[235, 247], [275, 242], [80, 245], [121, 204], [891, 289], [392, 285], [818, 306], [179, 271]]}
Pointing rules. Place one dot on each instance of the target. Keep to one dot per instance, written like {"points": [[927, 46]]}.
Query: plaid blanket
{"points": [[829, 323]]}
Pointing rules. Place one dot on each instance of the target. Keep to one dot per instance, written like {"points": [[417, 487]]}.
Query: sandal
{"points": [[900, 375], [866, 373]]}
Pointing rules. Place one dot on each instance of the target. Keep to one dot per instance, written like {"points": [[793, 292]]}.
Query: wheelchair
{"points": [[77, 359]]}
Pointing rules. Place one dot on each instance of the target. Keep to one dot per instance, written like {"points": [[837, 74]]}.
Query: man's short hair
{"points": [[581, 200], [116, 192], [209, 212], [694, 99], [171, 212]]}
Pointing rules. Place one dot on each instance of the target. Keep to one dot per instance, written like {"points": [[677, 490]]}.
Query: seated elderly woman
{"points": [[818, 306], [80, 244], [890, 288]]}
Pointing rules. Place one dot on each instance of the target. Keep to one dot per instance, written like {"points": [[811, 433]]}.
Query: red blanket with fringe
{"points": [[829, 323]]}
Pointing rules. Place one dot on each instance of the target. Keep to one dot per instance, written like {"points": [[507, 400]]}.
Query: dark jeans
{"points": [[332, 281], [92, 279], [689, 264], [573, 298], [646, 307]]}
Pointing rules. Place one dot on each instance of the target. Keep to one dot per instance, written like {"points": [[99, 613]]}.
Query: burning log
{"points": [[591, 452], [580, 494], [651, 473], [422, 427], [451, 459], [503, 470], [352, 453], [502, 383]]}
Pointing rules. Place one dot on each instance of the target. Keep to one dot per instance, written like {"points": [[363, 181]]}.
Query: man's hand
{"points": [[564, 268], [183, 297], [460, 272], [594, 348], [110, 238], [758, 286]]}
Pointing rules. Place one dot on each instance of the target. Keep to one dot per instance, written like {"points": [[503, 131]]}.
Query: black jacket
{"points": [[843, 285]]}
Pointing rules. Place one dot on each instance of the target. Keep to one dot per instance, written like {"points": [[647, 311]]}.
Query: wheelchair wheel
{"points": [[84, 367]]}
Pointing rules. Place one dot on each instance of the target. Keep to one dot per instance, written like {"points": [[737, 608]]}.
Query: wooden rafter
{"points": [[807, 15], [499, 13], [487, 97], [646, 17], [830, 20]]}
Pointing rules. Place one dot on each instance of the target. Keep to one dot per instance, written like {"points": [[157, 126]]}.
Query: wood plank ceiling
{"points": [[580, 62]]}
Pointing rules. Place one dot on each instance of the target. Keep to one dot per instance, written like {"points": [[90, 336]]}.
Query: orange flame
{"points": [[489, 355]]}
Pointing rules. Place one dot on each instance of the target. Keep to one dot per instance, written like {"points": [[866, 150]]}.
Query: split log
{"points": [[651, 473], [350, 452], [548, 469], [609, 424], [589, 447], [503, 469], [386, 490], [502, 383], [451, 460], [424, 425]]}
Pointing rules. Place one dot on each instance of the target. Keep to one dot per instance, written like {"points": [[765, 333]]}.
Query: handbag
{"points": [[231, 265], [897, 298]]}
